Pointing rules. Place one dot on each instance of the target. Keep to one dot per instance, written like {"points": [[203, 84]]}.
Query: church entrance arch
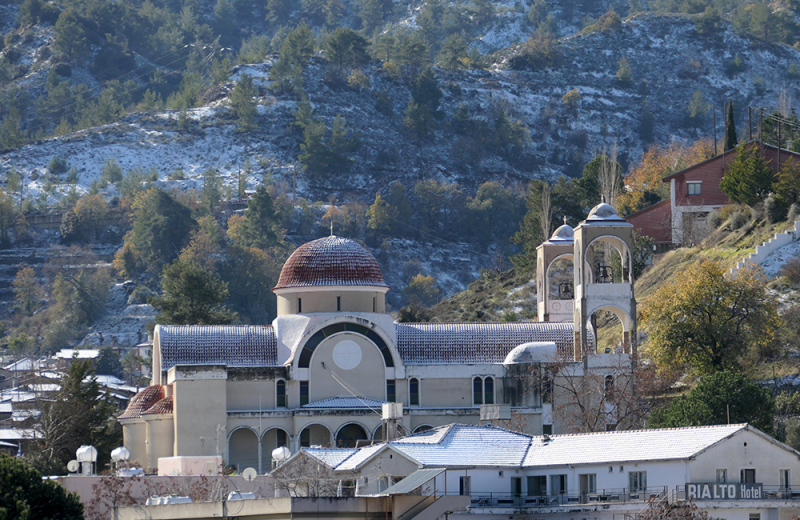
{"points": [[350, 435], [243, 449]]}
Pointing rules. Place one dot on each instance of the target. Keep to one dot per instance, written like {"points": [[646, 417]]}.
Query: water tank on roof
{"points": [[281, 454], [120, 454]]}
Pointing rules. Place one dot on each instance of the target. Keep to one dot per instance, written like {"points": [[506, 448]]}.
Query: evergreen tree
{"points": [[624, 73], [24, 494], [70, 36], [278, 10], [453, 52], [244, 103], [161, 228], [191, 296], [212, 188], [108, 363], [262, 227], [426, 91], [731, 141], [698, 108], [749, 177], [371, 14], [345, 47]]}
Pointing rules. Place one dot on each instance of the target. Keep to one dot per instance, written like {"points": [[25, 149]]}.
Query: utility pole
{"points": [[761, 129]]}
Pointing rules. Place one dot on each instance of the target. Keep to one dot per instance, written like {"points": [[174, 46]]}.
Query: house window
{"points": [[547, 429], [637, 481], [338, 303], [413, 392], [558, 485], [693, 188], [537, 486], [463, 485], [588, 483], [303, 393], [747, 476], [786, 478], [609, 388], [390, 392], [280, 393], [488, 390], [477, 391], [280, 437], [299, 305], [722, 476]]}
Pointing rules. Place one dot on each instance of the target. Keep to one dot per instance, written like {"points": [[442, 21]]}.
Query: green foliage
{"points": [[731, 140], [724, 397], [698, 108], [85, 220], [80, 296], [262, 226], [244, 104], [296, 50], [537, 12], [57, 165], [454, 52], [161, 228], [251, 273], [191, 296], [647, 123], [749, 177], [572, 99], [346, 48], [70, 36], [112, 172], [212, 188], [24, 495], [419, 119], [327, 156], [422, 290], [708, 23], [536, 54], [610, 21], [624, 73], [787, 184], [136, 181], [703, 321], [108, 363], [27, 291], [11, 133], [735, 66]]}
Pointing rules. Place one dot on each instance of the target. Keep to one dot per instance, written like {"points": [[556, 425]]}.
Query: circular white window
{"points": [[347, 354]]}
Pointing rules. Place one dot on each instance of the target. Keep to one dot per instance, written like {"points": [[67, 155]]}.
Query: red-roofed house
{"points": [[694, 192]]}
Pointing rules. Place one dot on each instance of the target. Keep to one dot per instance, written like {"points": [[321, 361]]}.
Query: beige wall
{"points": [[250, 395], [134, 433], [160, 439], [200, 404], [368, 379], [326, 301], [445, 392]]}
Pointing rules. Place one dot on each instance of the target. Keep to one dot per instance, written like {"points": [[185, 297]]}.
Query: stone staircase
{"points": [[770, 246]]}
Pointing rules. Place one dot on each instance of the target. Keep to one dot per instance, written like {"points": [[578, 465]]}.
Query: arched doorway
{"points": [[315, 435], [351, 435], [243, 449]]}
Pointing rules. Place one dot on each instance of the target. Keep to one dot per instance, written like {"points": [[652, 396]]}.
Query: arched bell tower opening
{"points": [[603, 250], [555, 291]]}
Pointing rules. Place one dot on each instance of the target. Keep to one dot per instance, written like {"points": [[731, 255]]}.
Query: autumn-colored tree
{"points": [[205, 244], [27, 291], [422, 290], [703, 320], [644, 184]]}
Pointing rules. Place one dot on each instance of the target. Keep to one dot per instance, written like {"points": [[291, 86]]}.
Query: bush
{"points": [[791, 216], [536, 54], [140, 295], [773, 212], [714, 219], [739, 219], [791, 270], [63, 69], [57, 165]]}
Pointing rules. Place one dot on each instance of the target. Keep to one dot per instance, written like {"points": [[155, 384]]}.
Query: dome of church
{"points": [[564, 233], [330, 261], [142, 401], [534, 352], [604, 213]]}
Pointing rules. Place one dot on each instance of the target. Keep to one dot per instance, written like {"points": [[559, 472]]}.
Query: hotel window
{"points": [[463, 485], [413, 392], [722, 476], [747, 476], [303, 393], [693, 188], [537, 486], [558, 485], [786, 478], [637, 481], [391, 396], [280, 392], [483, 390]]}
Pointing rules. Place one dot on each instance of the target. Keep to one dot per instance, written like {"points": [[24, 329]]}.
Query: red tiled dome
{"points": [[330, 261], [161, 407], [143, 401]]}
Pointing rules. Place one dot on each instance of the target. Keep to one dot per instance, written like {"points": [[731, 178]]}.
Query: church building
{"points": [[320, 373]]}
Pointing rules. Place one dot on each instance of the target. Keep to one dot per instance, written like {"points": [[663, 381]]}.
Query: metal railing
{"points": [[603, 496]]}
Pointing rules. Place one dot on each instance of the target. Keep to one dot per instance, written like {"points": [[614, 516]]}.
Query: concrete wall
{"points": [[200, 408], [134, 431], [350, 299], [160, 439], [367, 378]]}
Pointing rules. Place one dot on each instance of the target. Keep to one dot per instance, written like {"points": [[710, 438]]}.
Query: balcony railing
{"points": [[604, 496]]}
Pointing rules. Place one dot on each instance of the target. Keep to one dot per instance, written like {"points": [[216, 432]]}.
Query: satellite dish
{"points": [[249, 474], [73, 466]]}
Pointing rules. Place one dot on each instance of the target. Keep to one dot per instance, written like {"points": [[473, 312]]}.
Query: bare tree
{"points": [[306, 476], [609, 175], [547, 211]]}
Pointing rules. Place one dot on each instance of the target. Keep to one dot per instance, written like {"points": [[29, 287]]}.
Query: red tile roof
{"points": [[143, 401], [161, 407], [330, 261]]}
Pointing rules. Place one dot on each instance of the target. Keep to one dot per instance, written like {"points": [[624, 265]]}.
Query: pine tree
{"points": [[731, 141], [70, 36], [624, 74], [453, 52], [212, 188], [244, 103], [371, 14], [749, 177]]}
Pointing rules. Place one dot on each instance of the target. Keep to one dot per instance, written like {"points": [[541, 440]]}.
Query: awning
{"points": [[412, 482]]}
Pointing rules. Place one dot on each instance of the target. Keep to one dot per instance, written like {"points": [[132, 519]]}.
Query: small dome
{"points": [[564, 233], [605, 214], [163, 406], [534, 352], [330, 261], [142, 401]]}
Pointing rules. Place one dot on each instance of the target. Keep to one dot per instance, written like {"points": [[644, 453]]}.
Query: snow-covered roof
{"points": [[6, 408], [346, 402], [68, 353], [331, 456], [15, 434], [229, 345], [564, 234], [22, 415], [534, 352], [457, 343], [627, 446], [605, 215], [330, 261], [23, 365], [360, 456]]}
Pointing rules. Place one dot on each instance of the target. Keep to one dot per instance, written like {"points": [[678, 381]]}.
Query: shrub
{"points": [[713, 219], [773, 212], [57, 165], [791, 216], [735, 66], [536, 54], [725, 212], [791, 270], [739, 219], [63, 69], [140, 295]]}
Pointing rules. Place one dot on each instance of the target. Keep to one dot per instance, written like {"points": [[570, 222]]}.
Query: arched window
{"points": [[280, 393], [547, 390], [477, 391], [609, 388], [488, 390], [413, 392]]}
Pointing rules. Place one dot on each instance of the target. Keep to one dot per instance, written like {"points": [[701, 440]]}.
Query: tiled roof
{"points": [[164, 406], [229, 345], [627, 446], [330, 261], [346, 402], [142, 401], [455, 343], [331, 456], [352, 462]]}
